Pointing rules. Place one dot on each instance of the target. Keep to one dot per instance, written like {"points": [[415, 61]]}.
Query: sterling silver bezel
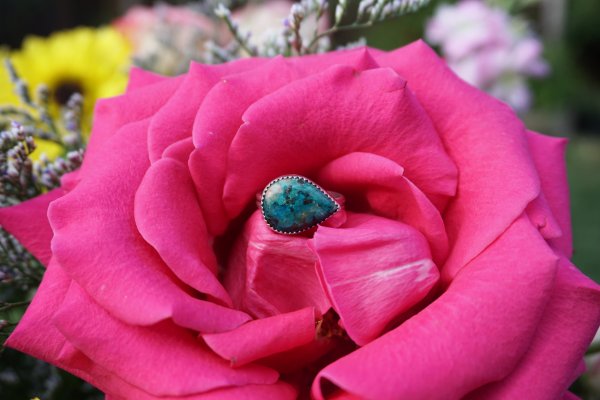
{"points": [[306, 180]]}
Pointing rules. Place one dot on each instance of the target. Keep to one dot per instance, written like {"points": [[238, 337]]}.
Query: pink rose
{"points": [[450, 278]]}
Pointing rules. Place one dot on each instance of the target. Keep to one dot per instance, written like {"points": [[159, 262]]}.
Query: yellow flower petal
{"points": [[51, 149], [95, 61]]}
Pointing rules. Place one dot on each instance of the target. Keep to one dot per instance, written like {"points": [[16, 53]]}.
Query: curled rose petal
{"points": [[138, 78], [220, 117], [299, 128], [164, 129], [171, 221], [120, 348], [113, 113], [498, 298], [380, 183], [35, 235], [270, 274], [264, 337], [549, 157], [485, 139], [126, 257], [567, 327], [373, 269]]}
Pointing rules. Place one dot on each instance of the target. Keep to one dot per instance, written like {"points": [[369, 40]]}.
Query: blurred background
{"points": [[553, 82]]}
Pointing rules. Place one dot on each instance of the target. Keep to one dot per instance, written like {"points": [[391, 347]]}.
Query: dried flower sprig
{"points": [[369, 12]]}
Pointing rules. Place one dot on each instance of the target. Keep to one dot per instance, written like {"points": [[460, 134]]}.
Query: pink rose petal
{"points": [[264, 337], [165, 128], [113, 113], [139, 78], [487, 317], [564, 333], [300, 128], [171, 221], [549, 157], [186, 365], [28, 223], [540, 215], [270, 273], [380, 183], [485, 139], [220, 117], [373, 269], [97, 243], [38, 318]]}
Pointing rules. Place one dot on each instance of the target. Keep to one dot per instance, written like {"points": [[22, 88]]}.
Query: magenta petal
{"points": [[569, 396], [174, 121], [97, 243], [183, 365], [540, 215], [494, 303], [277, 391], [290, 361], [380, 182], [485, 139], [564, 333], [264, 337], [549, 157], [36, 334], [220, 117], [373, 269], [171, 221], [113, 113], [270, 273], [300, 128], [138, 78], [28, 223]]}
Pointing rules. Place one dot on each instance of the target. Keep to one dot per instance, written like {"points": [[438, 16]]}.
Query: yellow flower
{"points": [[94, 62]]}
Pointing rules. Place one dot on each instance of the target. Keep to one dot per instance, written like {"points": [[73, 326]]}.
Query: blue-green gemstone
{"points": [[293, 204]]}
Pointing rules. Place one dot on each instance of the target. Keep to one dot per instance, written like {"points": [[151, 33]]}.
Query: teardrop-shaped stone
{"points": [[293, 204]]}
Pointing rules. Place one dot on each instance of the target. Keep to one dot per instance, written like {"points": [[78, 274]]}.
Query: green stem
{"points": [[13, 305]]}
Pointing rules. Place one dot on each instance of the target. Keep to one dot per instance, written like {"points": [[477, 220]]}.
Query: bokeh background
{"points": [[566, 103]]}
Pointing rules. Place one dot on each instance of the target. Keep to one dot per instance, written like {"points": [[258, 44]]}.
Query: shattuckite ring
{"points": [[292, 204]]}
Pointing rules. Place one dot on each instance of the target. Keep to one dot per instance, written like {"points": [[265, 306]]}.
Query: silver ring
{"points": [[292, 204]]}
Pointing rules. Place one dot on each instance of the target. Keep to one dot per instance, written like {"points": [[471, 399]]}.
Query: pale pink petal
{"points": [[379, 182], [183, 365], [300, 128], [168, 216], [453, 346], [485, 139], [97, 243], [220, 117], [174, 121], [138, 78], [264, 337], [28, 223], [270, 273], [373, 269], [564, 333], [549, 157], [113, 113]]}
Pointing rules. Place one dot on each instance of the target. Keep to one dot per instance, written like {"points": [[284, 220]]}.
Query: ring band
{"points": [[292, 204]]}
